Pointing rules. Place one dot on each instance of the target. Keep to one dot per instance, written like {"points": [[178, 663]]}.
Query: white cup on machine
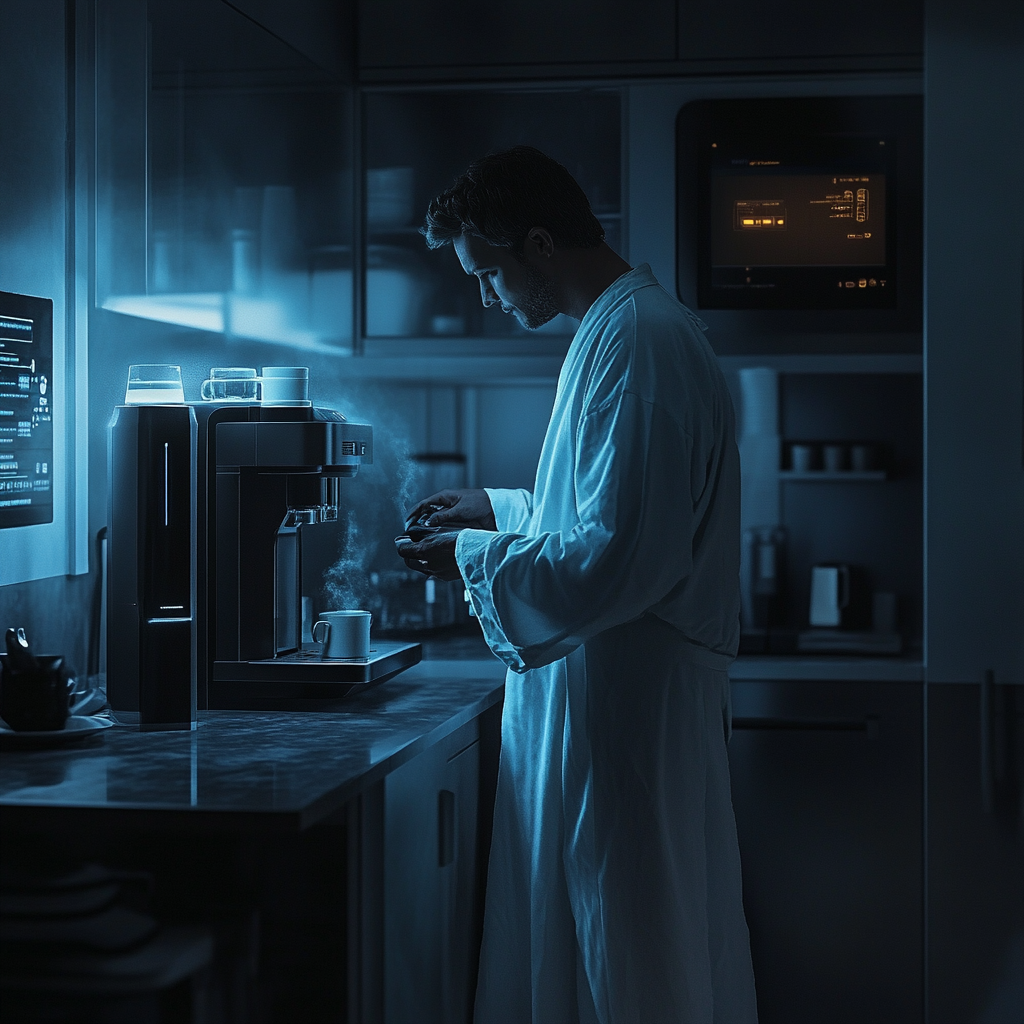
{"points": [[344, 634], [231, 384], [285, 385]]}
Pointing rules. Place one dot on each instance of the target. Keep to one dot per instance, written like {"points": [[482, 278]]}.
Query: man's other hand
{"points": [[434, 555], [466, 508]]}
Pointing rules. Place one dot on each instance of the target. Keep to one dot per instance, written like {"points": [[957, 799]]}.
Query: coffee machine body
{"points": [[152, 566], [266, 475]]}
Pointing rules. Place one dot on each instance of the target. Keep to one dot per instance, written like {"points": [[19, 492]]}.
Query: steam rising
{"points": [[373, 506]]}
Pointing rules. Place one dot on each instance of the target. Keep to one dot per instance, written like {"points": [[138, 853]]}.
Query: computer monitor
{"points": [[26, 410], [801, 204]]}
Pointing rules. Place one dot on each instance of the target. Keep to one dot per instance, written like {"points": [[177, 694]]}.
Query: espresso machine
{"points": [[261, 475], [266, 474]]}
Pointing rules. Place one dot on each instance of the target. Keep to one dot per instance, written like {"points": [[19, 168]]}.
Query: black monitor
{"points": [[26, 410], [801, 204]]}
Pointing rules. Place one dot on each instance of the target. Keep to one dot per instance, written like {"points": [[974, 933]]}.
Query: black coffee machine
{"points": [[262, 474]]}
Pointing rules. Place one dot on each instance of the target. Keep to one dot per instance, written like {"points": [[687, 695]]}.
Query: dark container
{"points": [[35, 700]]}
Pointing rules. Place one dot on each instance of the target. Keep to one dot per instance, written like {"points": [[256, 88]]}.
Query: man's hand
{"points": [[432, 556], [470, 508]]}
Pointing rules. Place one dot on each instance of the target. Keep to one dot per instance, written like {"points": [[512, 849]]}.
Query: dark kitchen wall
{"points": [[396, 41], [36, 255]]}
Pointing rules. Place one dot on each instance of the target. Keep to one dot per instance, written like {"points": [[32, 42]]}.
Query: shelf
{"points": [[846, 476], [467, 370]]}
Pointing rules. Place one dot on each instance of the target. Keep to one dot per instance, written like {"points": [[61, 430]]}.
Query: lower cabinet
{"points": [[976, 853], [827, 788], [436, 835]]}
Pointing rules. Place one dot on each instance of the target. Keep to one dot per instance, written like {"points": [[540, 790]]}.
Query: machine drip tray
{"points": [[304, 679]]}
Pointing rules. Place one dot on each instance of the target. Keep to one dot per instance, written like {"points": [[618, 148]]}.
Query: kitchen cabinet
{"points": [[744, 29], [416, 143], [433, 882], [224, 172], [402, 38], [403, 34], [975, 852], [975, 508], [826, 781], [336, 857]]}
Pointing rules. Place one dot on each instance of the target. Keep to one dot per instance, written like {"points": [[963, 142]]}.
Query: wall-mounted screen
{"points": [[798, 225], [26, 410], [800, 204]]}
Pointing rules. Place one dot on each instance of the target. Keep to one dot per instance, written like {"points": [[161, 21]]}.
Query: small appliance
{"points": [[830, 594]]}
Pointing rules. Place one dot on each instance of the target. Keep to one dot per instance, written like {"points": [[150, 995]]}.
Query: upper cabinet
{"points": [[746, 29], [225, 167], [416, 143], [973, 354], [408, 39], [461, 33]]}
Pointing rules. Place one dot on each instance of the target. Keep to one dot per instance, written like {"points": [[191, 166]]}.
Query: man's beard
{"points": [[539, 306]]}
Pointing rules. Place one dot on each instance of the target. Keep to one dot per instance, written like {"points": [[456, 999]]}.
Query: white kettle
{"points": [[830, 594]]}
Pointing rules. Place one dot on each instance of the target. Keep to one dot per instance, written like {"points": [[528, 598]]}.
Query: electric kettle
{"points": [[830, 594]]}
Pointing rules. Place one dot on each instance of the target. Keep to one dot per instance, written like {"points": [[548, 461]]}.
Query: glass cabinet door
{"points": [[246, 223], [416, 143]]}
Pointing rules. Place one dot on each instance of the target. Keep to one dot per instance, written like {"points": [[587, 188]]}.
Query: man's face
{"points": [[520, 288]]}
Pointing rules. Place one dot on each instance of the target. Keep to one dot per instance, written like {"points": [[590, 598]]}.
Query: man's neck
{"points": [[581, 275]]}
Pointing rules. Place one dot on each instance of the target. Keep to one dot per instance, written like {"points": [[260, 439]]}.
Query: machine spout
{"points": [[330, 492]]}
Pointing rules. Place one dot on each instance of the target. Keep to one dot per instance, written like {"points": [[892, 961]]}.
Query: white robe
{"points": [[612, 593]]}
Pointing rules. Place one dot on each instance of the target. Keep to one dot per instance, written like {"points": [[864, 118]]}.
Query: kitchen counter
{"points": [[904, 668], [287, 770], [249, 769]]}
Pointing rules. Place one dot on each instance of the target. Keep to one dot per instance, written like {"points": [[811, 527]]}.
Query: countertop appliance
{"points": [[208, 507], [830, 594], [152, 627], [266, 474]]}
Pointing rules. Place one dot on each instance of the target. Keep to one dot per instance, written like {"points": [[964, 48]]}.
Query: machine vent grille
{"points": [[348, 448]]}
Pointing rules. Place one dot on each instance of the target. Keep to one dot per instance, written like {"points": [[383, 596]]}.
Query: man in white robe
{"points": [[612, 594]]}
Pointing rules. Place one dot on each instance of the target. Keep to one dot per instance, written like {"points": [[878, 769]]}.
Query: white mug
{"points": [[344, 634], [231, 384], [285, 385]]}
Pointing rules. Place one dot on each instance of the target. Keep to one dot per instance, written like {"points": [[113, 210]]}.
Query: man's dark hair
{"points": [[502, 195]]}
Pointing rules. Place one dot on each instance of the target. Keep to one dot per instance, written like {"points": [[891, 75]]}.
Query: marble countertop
{"points": [[250, 768]]}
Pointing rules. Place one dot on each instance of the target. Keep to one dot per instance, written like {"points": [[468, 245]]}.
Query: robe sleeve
{"points": [[540, 597], [512, 508]]}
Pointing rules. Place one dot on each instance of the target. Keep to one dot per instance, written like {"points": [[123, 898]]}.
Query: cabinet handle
{"points": [[986, 710], [445, 828]]}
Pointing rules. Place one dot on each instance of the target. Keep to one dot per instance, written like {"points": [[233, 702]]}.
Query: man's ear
{"points": [[539, 242]]}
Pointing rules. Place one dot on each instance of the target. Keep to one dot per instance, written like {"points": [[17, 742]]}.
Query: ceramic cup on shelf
{"points": [[803, 457], [834, 457], [862, 457], [344, 634]]}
